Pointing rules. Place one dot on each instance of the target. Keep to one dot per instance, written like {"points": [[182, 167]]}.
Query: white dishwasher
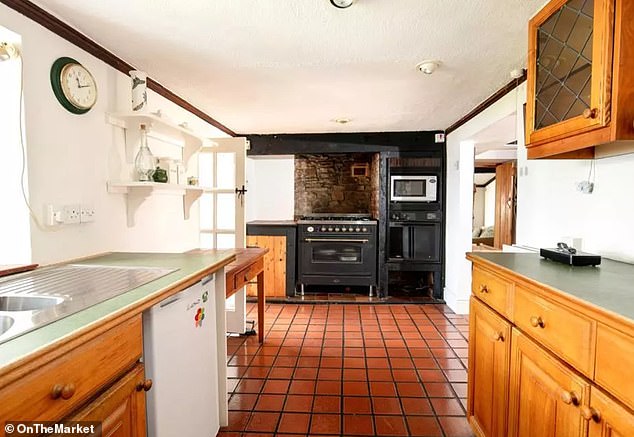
{"points": [[181, 358]]}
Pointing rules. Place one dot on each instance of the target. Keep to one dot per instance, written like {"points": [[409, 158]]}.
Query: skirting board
{"points": [[456, 302]]}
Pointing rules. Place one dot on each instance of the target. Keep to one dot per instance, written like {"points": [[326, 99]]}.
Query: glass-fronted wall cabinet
{"points": [[578, 75]]}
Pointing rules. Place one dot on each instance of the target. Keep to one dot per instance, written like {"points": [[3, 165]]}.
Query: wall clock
{"points": [[73, 85]]}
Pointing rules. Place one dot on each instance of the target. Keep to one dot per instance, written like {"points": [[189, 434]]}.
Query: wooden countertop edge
{"points": [[602, 315], [44, 355]]}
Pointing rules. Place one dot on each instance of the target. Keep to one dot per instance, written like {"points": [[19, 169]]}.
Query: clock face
{"points": [[73, 85], [78, 86]]}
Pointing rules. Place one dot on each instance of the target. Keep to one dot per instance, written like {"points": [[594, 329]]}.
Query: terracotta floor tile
{"points": [[410, 389], [236, 371], [401, 363], [329, 374], [431, 375], [328, 388], [423, 426], [242, 401], [460, 388], [355, 388], [456, 426], [386, 405], [456, 375], [238, 420], [416, 406], [326, 424], [277, 386], [331, 362], [355, 375], [232, 383], [358, 363], [398, 352], [404, 375], [390, 425], [250, 386], [257, 372], [305, 373], [381, 388], [270, 403], [438, 390], [358, 425], [294, 423], [263, 422], [308, 362], [377, 363], [281, 373], [447, 407], [327, 404], [379, 375], [302, 387], [299, 403], [357, 405]]}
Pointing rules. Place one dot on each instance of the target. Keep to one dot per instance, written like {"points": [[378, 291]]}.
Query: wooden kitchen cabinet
{"points": [[607, 417], [579, 82], [274, 264], [121, 409], [545, 396], [489, 367]]}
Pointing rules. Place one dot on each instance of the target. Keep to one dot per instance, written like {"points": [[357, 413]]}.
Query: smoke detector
{"points": [[428, 67], [8, 51]]}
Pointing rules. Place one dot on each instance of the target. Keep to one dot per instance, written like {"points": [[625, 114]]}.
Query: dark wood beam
{"points": [[72, 35], [488, 102]]}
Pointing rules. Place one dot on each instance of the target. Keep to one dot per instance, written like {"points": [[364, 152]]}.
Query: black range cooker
{"points": [[337, 249]]}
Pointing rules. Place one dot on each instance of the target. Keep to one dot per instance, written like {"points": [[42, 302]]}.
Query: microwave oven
{"points": [[413, 188]]}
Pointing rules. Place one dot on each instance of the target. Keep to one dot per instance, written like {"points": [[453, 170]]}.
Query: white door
{"points": [[222, 226]]}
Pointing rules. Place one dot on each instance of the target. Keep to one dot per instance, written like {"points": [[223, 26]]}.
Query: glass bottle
{"points": [[144, 162]]}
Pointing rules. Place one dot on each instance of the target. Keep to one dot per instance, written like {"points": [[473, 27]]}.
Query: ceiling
{"points": [[271, 66], [492, 143]]}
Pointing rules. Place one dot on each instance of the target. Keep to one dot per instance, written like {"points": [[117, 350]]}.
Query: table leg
{"points": [[261, 299]]}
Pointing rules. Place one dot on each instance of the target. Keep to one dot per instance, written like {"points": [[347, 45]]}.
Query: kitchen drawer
{"points": [[567, 333], [493, 290], [615, 362], [81, 372], [246, 274]]}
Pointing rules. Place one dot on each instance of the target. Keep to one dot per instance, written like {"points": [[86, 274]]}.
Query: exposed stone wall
{"points": [[324, 184]]}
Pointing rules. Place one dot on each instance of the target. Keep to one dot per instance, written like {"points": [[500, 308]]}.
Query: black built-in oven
{"points": [[415, 236]]}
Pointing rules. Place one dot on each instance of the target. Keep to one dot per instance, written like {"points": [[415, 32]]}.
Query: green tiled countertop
{"points": [[190, 267], [609, 286]]}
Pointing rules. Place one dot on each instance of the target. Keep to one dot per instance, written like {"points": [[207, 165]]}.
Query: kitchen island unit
{"points": [[550, 347], [87, 366]]}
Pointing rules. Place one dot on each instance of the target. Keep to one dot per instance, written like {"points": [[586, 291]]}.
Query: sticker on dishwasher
{"points": [[199, 317], [205, 296]]}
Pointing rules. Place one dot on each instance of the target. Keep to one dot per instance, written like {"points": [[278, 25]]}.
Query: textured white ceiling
{"points": [[273, 66]]}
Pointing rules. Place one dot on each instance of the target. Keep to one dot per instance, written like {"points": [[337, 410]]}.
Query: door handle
{"points": [[241, 192]]}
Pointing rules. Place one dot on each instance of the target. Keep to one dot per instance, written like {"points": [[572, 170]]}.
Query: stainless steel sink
{"points": [[33, 299], [5, 324], [27, 303]]}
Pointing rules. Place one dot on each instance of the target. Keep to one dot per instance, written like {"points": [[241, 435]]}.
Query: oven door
{"points": [[337, 256], [414, 242]]}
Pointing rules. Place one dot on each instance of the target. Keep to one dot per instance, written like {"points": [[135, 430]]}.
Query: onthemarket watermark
{"points": [[81, 428]]}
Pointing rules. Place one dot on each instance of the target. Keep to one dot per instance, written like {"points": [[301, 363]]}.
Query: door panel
{"points": [[608, 418]]}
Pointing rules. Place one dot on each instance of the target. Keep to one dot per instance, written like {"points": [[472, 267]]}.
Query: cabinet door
{"points": [[274, 265], [121, 409], [569, 68], [545, 396], [489, 366], [607, 417]]}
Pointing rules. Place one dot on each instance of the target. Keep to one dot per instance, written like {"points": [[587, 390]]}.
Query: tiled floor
{"points": [[389, 370]]}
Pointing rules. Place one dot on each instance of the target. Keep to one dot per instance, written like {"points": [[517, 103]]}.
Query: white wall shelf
{"points": [[159, 127], [137, 192]]}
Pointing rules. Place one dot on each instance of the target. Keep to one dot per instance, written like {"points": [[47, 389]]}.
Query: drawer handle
{"points": [[590, 113], [570, 397], [144, 385], [483, 288], [590, 413], [537, 322], [63, 391], [498, 336]]}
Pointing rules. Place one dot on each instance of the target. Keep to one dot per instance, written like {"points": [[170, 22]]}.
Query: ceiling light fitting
{"points": [[8, 51], [342, 4], [428, 67], [342, 120]]}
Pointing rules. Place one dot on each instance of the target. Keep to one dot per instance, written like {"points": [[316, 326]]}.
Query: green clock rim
{"points": [[56, 84]]}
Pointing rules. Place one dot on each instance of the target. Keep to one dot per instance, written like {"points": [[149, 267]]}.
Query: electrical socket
{"points": [[87, 213], [71, 214]]}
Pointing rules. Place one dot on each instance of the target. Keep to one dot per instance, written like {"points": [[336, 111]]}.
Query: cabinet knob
{"points": [[64, 391], [590, 413], [570, 397], [483, 288], [590, 113], [537, 322], [498, 336], [144, 385]]}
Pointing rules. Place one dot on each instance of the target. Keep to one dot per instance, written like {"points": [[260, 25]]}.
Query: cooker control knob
{"points": [[344, 229], [323, 229], [350, 229], [357, 229], [364, 230], [310, 229], [329, 229], [337, 229]]}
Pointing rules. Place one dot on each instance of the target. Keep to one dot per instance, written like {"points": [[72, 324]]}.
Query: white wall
{"points": [[489, 205], [71, 157], [460, 164], [271, 194], [15, 232]]}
